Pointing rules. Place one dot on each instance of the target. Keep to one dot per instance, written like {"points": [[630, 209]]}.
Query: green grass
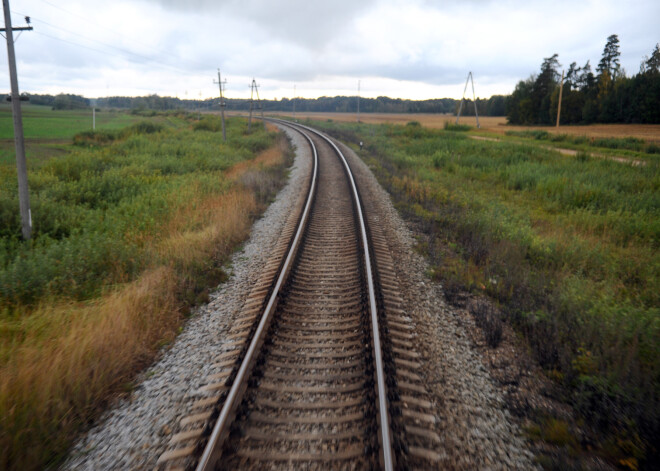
{"points": [[130, 227], [89, 205], [44, 123], [632, 144], [568, 246]]}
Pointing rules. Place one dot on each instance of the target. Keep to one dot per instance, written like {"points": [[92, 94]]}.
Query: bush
{"points": [[487, 318], [208, 124], [456, 127], [652, 148]]}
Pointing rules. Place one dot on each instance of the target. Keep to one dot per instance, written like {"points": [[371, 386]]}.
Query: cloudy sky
{"points": [[408, 49]]}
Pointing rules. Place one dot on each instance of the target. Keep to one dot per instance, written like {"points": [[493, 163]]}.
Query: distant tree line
{"points": [[494, 106], [61, 101], [606, 96]]}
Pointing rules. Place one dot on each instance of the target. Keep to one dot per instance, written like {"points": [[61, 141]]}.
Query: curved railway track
{"points": [[320, 372]]}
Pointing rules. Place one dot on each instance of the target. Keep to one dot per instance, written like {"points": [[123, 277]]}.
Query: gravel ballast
{"points": [[477, 430]]}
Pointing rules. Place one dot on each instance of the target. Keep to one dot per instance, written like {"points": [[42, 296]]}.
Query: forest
{"points": [[606, 96], [494, 106]]}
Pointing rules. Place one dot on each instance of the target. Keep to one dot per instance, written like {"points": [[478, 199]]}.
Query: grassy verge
{"points": [[129, 232], [567, 246], [636, 146], [41, 122]]}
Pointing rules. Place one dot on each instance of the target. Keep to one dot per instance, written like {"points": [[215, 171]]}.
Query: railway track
{"points": [[320, 371]]}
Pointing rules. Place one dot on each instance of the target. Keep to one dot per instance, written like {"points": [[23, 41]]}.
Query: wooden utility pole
{"points": [[561, 90], [221, 84], [21, 165]]}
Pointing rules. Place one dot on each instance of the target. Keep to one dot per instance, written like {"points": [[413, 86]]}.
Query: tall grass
{"points": [[45, 123], [136, 230], [626, 143], [569, 247]]}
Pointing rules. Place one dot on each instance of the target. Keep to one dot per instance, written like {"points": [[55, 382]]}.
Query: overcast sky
{"points": [[407, 49]]}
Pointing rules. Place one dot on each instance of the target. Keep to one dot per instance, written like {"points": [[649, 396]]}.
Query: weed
{"points": [[572, 244], [487, 318], [456, 127], [128, 233]]}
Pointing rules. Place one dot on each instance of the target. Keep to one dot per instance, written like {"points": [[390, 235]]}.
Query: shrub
{"points": [[208, 123], [487, 318], [456, 127], [652, 148]]}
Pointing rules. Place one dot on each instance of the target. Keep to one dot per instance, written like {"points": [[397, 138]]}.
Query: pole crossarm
{"points": [[20, 28]]}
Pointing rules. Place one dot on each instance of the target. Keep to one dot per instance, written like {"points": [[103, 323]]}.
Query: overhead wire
{"points": [[113, 50], [150, 60], [91, 20]]}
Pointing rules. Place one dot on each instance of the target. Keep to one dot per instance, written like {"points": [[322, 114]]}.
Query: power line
{"points": [[75, 44], [90, 20], [120, 50]]}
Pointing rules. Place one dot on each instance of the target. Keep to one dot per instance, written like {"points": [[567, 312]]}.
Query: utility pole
{"points": [[21, 165], [474, 99], [261, 107], [294, 101], [221, 84], [358, 103], [254, 90], [561, 90], [253, 85], [93, 103]]}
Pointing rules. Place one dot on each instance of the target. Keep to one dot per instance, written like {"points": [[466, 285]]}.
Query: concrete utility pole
{"points": [[253, 85], [561, 90], [221, 84], [254, 90], [261, 107], [21, 166], [474, 99], [93, 103], [358, 104]]}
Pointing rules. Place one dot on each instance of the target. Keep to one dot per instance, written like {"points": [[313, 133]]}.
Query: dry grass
{"points": [[496, 124], [65, 366], [67, 359]]}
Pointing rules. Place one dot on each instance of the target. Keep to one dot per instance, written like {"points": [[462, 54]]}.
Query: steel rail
{"points": [[386, 440], [213, 452]]}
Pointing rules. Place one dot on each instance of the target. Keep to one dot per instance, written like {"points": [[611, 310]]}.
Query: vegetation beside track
{"points": [[568, 246], [131, 227]]}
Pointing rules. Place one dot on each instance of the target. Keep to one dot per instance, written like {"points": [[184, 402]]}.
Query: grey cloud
{"points": [[306, 23]]}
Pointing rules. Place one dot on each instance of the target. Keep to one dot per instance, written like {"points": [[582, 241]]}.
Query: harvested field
{"points": [[496, 124]]}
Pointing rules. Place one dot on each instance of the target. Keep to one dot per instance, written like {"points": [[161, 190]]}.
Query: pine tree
{"points": [[653, 63], [610, 61]]}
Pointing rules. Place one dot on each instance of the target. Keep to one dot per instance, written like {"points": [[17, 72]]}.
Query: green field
{"points": [[567, 245], [131, 226], [41, 122]]}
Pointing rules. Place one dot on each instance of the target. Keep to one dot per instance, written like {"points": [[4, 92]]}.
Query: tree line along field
{"points": [[567, 246], [132, 224], [494, 125]]}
